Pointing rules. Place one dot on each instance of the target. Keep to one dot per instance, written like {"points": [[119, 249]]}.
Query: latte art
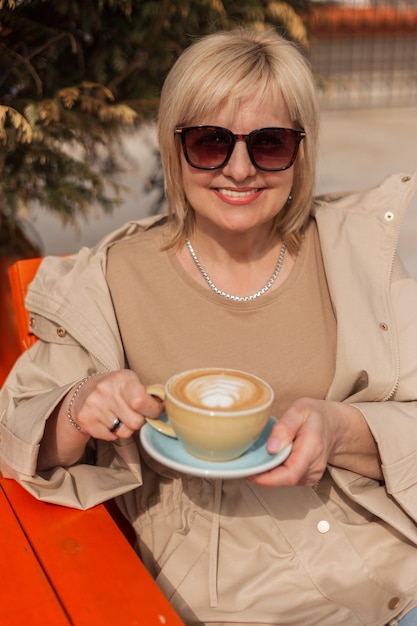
{"points": [[220, 393], [224, 391]]}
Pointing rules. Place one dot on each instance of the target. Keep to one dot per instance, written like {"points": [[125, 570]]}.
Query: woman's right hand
{"points": [[94, 408], [106, 397]]}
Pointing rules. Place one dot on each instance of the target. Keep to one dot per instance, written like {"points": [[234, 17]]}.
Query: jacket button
{"points": [[405, 179], [383, 326], [389, 216], [323, 526], [32, 322], [61, 332], [394, 603]]}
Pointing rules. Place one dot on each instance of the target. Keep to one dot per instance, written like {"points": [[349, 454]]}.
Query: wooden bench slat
{"points": [[27, 596], [95, 572]]}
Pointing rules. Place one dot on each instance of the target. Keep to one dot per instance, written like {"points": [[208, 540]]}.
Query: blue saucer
{"points": [[170, 452]]}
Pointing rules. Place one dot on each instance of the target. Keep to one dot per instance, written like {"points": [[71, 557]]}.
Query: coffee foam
{"points": [[223, 391]]}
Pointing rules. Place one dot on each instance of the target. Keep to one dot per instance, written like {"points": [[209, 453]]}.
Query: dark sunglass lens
{"points": [[273, 149], [207, 147]]}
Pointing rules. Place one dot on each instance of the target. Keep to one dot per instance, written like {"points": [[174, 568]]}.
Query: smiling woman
{"points": [[273, 87], [247, 272], [233, 194]]}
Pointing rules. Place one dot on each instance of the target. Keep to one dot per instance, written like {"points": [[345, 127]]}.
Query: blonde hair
{"points": [[226, 67]]}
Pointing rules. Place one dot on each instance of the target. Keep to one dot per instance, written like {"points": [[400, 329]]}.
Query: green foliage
{"points": [[74, 75]]}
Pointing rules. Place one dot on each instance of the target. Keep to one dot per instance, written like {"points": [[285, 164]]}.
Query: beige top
{"points": [[170, 323]]}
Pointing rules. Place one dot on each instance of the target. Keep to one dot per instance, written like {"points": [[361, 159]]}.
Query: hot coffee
{"points": [[216, 413], [219, 390]]}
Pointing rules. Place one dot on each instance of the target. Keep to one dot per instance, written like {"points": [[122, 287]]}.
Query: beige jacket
{"points": [[376, 369]]}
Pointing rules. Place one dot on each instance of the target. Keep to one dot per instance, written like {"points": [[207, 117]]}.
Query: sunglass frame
{"points": [[298, 134]]}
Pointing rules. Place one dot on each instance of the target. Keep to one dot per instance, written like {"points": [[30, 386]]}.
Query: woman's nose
{"points": [[239, 166]]}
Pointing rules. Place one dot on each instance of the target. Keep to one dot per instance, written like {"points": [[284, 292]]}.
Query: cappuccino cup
{"points": [[216, 413]]}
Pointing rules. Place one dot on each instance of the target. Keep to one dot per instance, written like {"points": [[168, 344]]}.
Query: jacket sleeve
{"points": [[397, 443], [394, 428], [36, 385], [393, 422]]}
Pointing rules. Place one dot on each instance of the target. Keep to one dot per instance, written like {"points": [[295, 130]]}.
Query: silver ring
{"points": [[116, 425]]}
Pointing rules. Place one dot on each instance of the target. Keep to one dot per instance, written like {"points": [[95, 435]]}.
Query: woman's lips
{"points": [[238, 196]]}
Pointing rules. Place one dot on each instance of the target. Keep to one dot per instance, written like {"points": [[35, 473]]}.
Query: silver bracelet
{"points": [[71, 402]]}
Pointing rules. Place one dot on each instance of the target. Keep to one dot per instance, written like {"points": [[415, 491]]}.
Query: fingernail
{"points": [[273, 446]]}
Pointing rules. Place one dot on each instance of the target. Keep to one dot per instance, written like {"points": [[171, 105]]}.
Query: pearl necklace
{"points": [[229, 296]]}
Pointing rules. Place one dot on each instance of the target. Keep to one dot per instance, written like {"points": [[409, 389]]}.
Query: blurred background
{"points": [[364, 55]]}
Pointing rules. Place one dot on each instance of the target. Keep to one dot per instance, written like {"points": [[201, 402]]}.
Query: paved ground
{"points": [[359, 148]]}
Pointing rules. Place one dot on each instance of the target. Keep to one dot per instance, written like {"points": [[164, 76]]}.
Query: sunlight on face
{"points": [[239, 197]]}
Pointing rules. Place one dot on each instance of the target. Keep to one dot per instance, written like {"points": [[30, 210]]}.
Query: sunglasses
{"points": [[269, 149]]}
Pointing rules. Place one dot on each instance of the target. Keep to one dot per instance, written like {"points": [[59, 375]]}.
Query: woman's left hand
{"points": [[321, 433]]}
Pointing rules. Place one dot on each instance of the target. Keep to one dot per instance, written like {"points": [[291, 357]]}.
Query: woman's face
{"points": [[239, 197]]}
